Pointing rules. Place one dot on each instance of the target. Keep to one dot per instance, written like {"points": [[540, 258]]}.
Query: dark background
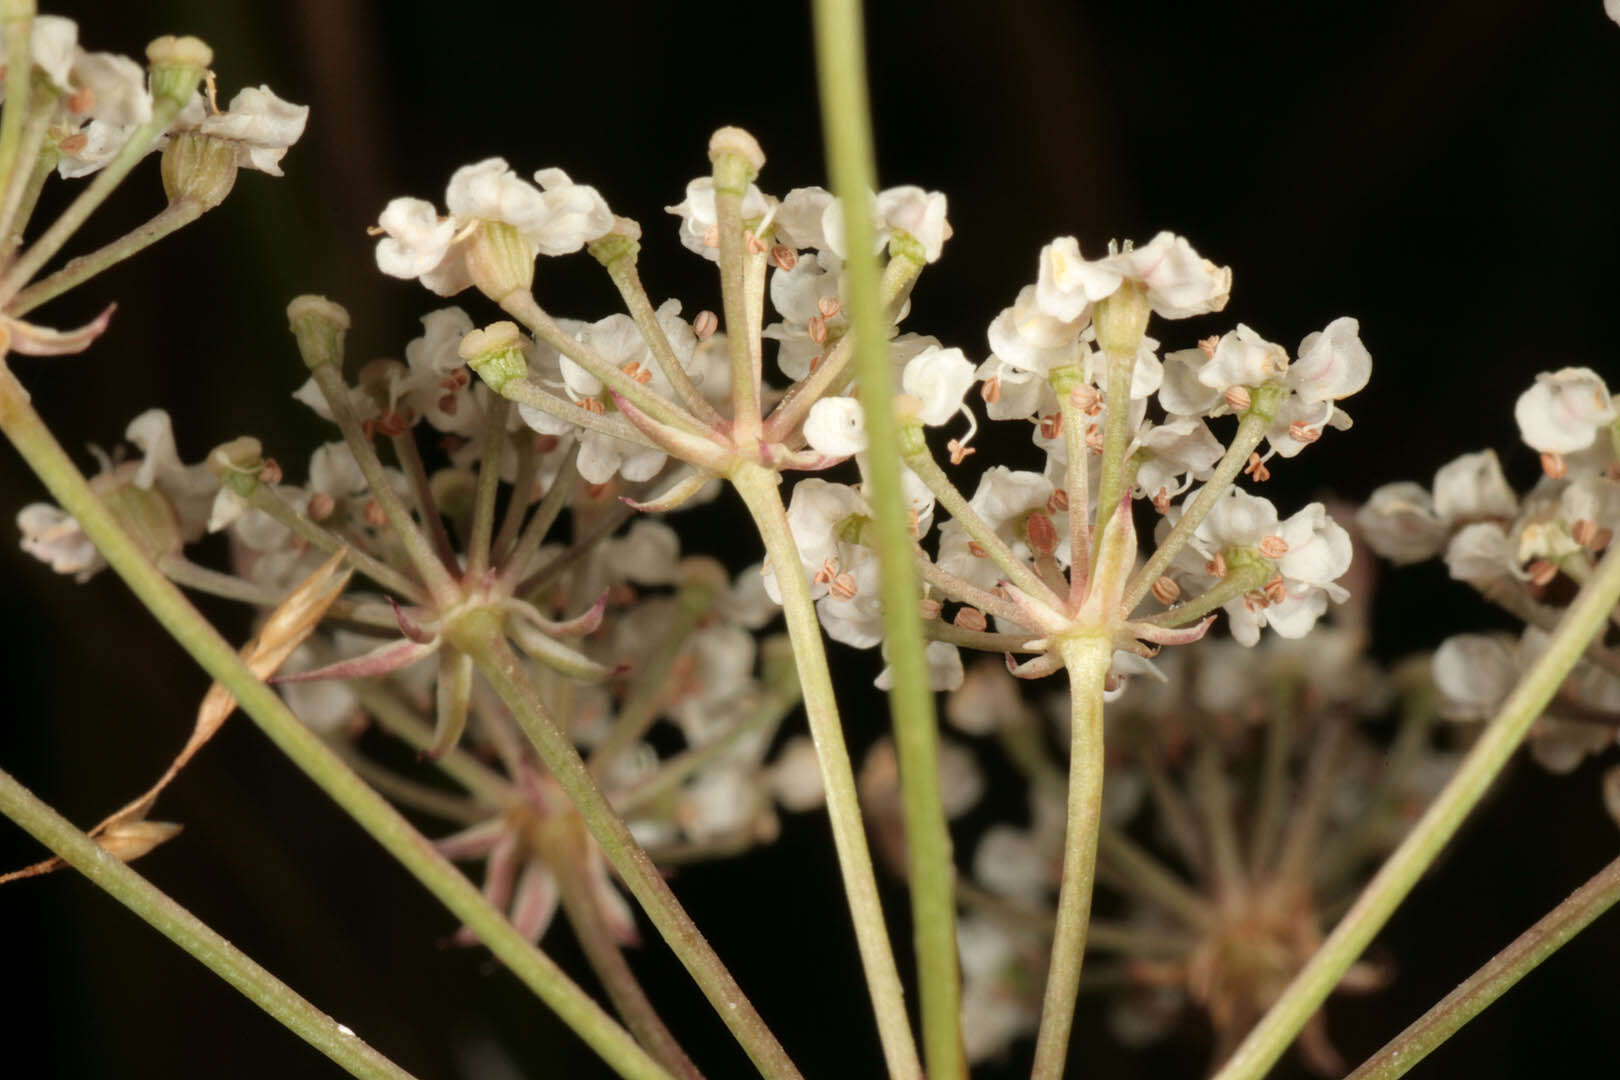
{"points": [[1447, 172]]}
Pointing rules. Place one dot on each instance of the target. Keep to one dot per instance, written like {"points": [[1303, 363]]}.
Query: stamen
{"points": [[1216, 566], [976, 551], [1273, 547], [970, 618], [1256, 468], [1166, 591], [784, 257], [844, 586], [705, 324]]}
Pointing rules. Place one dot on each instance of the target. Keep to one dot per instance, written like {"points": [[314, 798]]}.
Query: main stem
{"points": [[193, 935], [930, 868], [1490, 982], [758, 488], [479, 635], [1581, 622], [1087, 659], [305, 749]]}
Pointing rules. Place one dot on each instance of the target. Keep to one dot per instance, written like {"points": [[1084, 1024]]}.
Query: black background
{"points": [[1447, 172]]}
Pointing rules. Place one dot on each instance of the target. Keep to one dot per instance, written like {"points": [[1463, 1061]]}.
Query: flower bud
{"points": [[319, 325], [237, 464], [496, 353], [198, 168], [737, 159], [177, 65]]}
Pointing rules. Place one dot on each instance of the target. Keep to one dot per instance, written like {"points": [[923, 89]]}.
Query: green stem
{"points": [[527, 392], [420, 797], [44, 166], [1137, 871], [40, 111], [650, 689], [552, 504], [193, 935], [930, 868], [184, 572], [164, 110], [306, 749], [1077, 488], [528, 467], [522, 307], [489, 485], [928, 471], [1251, 429], [1582, 620], [400, 720], [478, 633], [426, 561], [564, 845], [16, 23], [624, 274], [1214, 796], [1116, 438], [673, 771], [898, 276], [409, 456], [1267, 825], [267, 499], [171, 218], [1493, 980], [731, 180], [1087, 659], [1238, 580], [758, 488]]}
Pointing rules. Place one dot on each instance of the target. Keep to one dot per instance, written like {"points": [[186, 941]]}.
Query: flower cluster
{"points": [[1523, 552]]}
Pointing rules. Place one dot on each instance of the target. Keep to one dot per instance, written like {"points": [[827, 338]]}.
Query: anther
{"points": [[844, 586], [990, 391], [1237, 398], [970, 618], [706, 323], [373, 513], [1166, 591], [828, 306], [270, 471], [1553, 465], [1256, 469], [784, 257], [1273, 547], [958, 452], [1058, 503], [320, 506], [976, 551], [1051, 425], [1216, 566], [817, 329]]}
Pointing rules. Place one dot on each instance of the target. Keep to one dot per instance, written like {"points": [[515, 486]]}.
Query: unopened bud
{"points": [[241, 457], [177, 65], [319, 325], [145, 513], [496, 353], [736, 153]]}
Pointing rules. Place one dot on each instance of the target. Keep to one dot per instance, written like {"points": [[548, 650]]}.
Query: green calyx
{"points": [[500, 261], [1266, 401], [902, 245], [614, 247], [496, 354], [177, 65], [912, 440]]}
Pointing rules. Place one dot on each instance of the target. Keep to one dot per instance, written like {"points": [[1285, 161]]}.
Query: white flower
{"points": [[1025, 337], [1332, 363], [1472, 487], [836, 426], [795, 777], [944, 662], [1564, 410], [1004, 500], [1179, 283], [798, 219], [816, 513], [1243, 358], [262, 125], [557, 221], [939, 378], [910, 210], [52, 42], [53, 536], [120, 102], [698, 216], [1400, 522], [1011, 863], [1473, 673], [1174, 454]]}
